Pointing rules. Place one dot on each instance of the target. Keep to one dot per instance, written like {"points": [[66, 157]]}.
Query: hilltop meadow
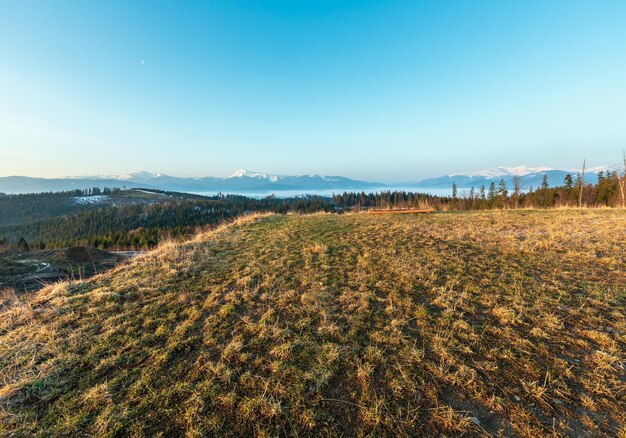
{"points": [[482, 323]]}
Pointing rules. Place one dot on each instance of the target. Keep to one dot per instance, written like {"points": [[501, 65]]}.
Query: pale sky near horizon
{"points": [[375, 90]]}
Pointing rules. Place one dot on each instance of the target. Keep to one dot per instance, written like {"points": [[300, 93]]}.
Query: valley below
{"points": [[30, 271]]}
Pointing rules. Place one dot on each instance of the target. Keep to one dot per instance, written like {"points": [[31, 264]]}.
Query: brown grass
{"points": [[492, 323], [401, 210]]}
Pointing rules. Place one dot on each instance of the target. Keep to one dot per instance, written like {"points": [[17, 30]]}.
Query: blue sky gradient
{"points": [[385, 90]]}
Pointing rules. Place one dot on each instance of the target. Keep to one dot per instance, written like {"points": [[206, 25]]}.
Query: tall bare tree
{"points": [[621, 180], [516, 189], [582, 185]]}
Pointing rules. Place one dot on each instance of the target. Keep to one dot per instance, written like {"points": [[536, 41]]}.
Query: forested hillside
{"points": [[120, 221], [15, 209], [23, 208]]}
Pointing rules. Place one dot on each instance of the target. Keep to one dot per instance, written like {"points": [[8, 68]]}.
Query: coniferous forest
{"points": [[57, 220]]}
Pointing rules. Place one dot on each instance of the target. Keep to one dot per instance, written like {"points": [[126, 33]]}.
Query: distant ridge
{"points": [[241, 181], [504, 171], [530, 177], [246, 181]]}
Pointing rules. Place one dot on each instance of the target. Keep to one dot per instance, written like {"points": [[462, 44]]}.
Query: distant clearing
{"points": [[495, 323]]}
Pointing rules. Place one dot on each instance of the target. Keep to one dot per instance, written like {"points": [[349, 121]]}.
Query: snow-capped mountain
{"points": [[498, 172], [134, 176], [528, 177], [242, 173], [123, 177], [242, 181], [245, 181]]}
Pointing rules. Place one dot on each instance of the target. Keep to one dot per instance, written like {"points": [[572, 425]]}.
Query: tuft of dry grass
{"points": [[507, 323]]}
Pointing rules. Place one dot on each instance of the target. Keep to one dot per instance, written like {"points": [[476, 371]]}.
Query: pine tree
{"points": [[544, 182], [22, 245], [568, 181], [502, 191]]}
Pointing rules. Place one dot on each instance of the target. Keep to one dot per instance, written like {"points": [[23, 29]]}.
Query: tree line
{"points": [[608, 191]]}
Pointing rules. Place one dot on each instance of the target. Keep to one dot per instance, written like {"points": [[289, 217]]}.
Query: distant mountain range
{"points": [[528, 176], [243, 181]]}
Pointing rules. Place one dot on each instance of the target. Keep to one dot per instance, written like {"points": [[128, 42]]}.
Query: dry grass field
{"points": [[482, 323]]}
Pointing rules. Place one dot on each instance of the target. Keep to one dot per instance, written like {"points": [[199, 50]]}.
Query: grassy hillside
{"points": [[508, 323]]}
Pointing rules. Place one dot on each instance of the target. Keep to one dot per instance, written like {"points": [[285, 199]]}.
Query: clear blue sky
{"points": [[385, 90]]}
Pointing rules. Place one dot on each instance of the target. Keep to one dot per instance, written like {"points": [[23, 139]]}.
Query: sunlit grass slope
{"points": [[509, 323]]}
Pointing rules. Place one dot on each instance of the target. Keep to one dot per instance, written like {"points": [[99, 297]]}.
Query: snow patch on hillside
{"points": [[90, 200]]}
